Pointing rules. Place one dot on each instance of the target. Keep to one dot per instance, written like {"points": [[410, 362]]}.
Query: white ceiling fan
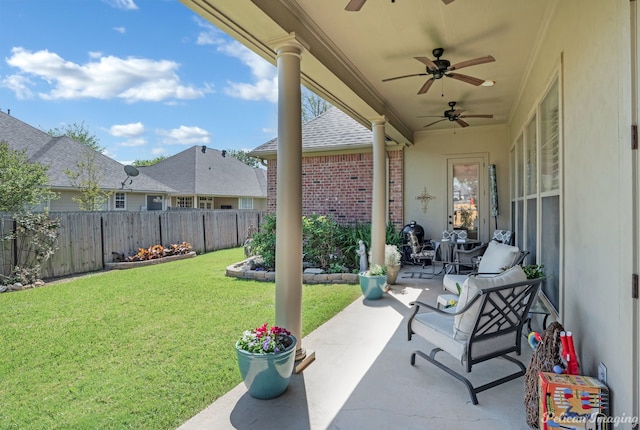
{"points": [[356, 5]]}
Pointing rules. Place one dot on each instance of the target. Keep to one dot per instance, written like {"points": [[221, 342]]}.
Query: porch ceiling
{"points": [[350, 53]]}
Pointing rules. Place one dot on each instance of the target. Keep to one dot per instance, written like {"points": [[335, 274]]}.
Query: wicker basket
{"points": [[545, 356]]}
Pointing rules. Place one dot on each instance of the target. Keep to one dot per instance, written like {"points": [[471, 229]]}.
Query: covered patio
{"points": [[362, 379], [563, 99]]}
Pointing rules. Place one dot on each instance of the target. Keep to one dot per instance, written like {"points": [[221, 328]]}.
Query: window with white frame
{"points": [[535, 196], [184, 202], [120, 201], [205, 202], [245, 203]]}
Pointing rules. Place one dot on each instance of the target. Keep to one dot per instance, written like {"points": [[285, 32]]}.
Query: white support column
{"points": [[379, 198], [289, 190]]}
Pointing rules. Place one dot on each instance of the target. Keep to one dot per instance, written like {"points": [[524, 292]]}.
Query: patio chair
{"points": [[496, 258], [467, 259], [421, 253], [487, 323]]}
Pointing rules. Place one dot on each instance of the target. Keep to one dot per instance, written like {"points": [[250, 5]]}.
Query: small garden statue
{"points": [[362, 252]]}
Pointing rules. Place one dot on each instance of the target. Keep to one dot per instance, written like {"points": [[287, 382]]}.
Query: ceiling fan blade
{"points": [[474, 62], [426, 86], [464, 78], [426, 61], [355, 5], [476, 116], [462, 123], [430, 116], [447, 1], [440, 120], [457, 112], [404, 76]]}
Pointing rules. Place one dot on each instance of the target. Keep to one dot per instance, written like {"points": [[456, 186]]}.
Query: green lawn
{"points": [[144, 348]]}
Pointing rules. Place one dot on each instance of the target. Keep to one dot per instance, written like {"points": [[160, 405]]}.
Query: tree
{"points": [[22, 184], [244, 157], [87, 179], [313, 105], [79, 133], [151, 162]]}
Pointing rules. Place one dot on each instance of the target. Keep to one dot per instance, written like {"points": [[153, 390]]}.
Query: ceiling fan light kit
{"points": [[454, 115], [439, 68]]}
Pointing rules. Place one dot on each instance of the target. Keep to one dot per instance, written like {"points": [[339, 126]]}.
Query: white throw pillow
{"points": [[498, 257], [463, 323]]}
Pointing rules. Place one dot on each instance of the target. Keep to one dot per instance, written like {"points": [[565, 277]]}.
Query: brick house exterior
{"points": [[337, 170]]}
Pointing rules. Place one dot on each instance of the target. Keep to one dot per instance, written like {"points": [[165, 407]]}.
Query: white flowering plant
{"points": [[265, 340], [391, 255]]}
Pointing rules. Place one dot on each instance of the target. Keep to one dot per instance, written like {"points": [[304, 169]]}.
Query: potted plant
{"points": [[534, 271], [372, 281], [266, 356], [392, 262]]}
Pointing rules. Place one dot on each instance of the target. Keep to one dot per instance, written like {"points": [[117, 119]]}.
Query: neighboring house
{"points": [[63, 153], [337, 170], [205, 178]]}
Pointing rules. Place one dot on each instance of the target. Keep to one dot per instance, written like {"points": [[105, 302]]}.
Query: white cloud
{"points": [[210, 35], [127, 130], [19, 84], [131, 79], [185, 136], [122, 4], [265, 85], [139, 141], [265, 82], [158, 151], [120, 30]]}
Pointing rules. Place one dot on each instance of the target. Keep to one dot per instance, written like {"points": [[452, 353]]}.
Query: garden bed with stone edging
{"points": [[244, 270], [131, 264]]}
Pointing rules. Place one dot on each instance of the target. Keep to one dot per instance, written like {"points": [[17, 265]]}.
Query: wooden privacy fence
{"points": [[87, 240]]}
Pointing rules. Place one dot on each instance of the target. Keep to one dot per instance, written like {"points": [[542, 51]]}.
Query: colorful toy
{"points": [[534, 339], [569, 353]]}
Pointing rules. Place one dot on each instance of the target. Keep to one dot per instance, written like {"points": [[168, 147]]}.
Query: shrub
{"points": [[36, 236], [326, 244]]}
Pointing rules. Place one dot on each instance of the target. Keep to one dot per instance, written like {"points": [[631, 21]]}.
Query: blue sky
{"points": [[147, 77]]}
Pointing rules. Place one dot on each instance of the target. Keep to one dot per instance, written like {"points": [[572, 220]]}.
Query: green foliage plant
{"points": [[24, 184], [36, 236], [80, 133], [140, 163], [376, 270], [319, 244], [263, 241], [534, 271], [86, 178]]}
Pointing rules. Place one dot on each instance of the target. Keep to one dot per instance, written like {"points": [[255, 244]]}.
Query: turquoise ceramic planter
{"points": [[267, 376], [372, 286]]}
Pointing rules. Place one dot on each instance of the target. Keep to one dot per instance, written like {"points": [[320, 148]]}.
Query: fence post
{"points": [[204, 233], [102, 240], [15, 243], [160, 228]]}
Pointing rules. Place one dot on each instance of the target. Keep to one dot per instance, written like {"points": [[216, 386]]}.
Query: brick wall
{"points": [[340, 185]]}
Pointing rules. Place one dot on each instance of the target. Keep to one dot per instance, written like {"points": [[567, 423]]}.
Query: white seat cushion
{"points": [[464, 323], [450, 280], [436, 328], [498, 257]]}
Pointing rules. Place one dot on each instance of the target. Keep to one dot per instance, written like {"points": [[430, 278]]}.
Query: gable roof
{"points": [[62, 153], [194, 171], [331, 130]]}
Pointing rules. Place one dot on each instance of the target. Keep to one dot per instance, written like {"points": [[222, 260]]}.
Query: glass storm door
{"points": [[466, 192]]}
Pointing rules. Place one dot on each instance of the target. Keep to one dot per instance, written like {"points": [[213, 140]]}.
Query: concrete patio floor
{"points": [[362, 378]]}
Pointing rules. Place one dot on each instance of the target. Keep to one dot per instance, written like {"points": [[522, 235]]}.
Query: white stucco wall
{"points": [[592, 38], [426, 165], [588, 43]]}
